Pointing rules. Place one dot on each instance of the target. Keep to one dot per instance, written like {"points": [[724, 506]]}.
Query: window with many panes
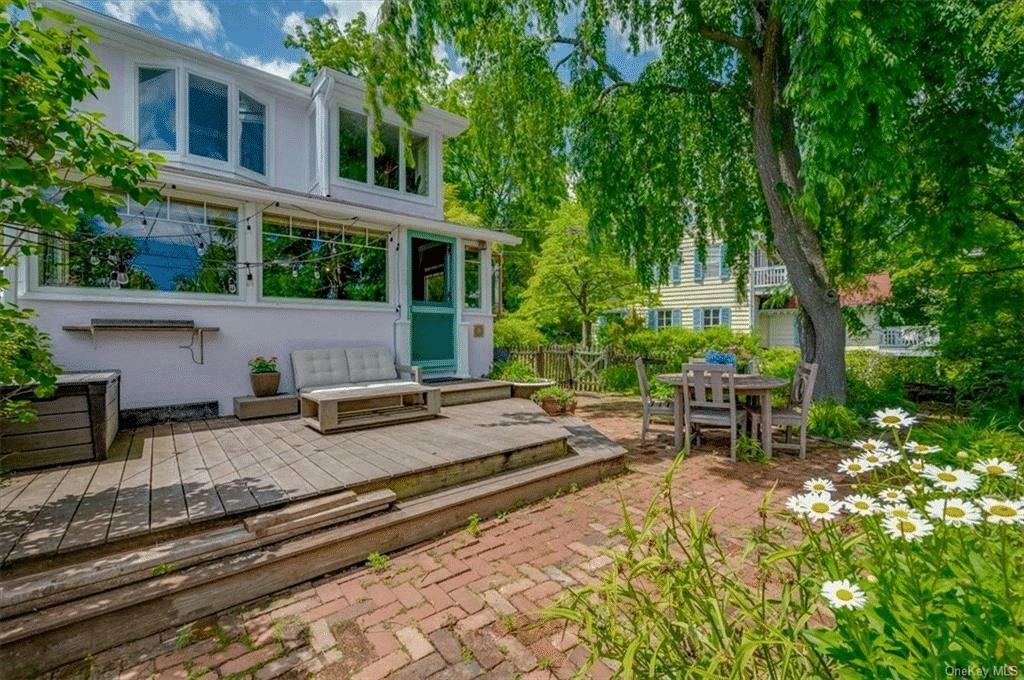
{"points": [[168, 245], [208, 122], [663, 319], [712, 317], [313, 260], [471, 269], [396, 166]]}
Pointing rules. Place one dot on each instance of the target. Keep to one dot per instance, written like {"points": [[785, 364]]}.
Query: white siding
{"points": [[711, 291], [777, 327]]}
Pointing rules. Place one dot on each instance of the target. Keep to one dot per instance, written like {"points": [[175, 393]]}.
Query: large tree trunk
{"points": [[778, 165]]}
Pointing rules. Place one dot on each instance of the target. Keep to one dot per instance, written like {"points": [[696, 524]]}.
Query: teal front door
{"points": [[431, 303]]}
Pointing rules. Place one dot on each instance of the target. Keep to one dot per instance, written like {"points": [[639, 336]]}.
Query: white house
{"points": [[278, 229], [700, 294]]}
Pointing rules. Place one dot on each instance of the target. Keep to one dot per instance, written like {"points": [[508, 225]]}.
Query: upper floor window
{"points": [[207, 118], [252, 132], [323, 261], [210, 131], [167, 245], [397, 167], [157, 110]]}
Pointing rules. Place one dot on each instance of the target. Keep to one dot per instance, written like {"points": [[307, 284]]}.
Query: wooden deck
{"points": [[190, 473]]}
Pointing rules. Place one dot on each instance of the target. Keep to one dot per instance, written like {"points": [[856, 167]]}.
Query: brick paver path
{"points": [[458, 606]]}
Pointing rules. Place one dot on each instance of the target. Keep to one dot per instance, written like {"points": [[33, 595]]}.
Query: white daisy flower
{"points": [[920, 449], [993, 467], [874, 459], [853, 467], [917, 465], [954, 511], [902, 511], [893, 417], [821, 506], [950, 479], [1003, 511], [890, 455], [819, 485], [869, 445], [843, 594], [910, 490], [796, 504], [908, 528], [893, 496], [861, 504]]}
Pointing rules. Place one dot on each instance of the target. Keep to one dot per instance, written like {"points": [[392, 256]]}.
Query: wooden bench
{"points": [[348, 408]]}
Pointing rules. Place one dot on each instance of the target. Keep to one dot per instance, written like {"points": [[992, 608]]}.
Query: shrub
{"points": [[563, 396], [513, 371], [621, 378], [511, 331], [828, 418]]}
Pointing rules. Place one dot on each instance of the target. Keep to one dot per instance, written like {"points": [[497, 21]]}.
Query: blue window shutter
{"points": [[698, 267], [652, 318], [676, 274], [698, 319], [726, 317], [724, 270], [677, 317]]}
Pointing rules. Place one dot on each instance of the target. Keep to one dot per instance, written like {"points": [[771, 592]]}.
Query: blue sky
{"points": [[253, 32]]}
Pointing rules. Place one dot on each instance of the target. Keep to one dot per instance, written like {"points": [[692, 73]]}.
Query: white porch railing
{"points": [[906, 337], [765, 278]]}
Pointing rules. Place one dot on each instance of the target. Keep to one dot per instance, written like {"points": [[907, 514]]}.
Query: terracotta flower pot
{"points": [[265, 384], [551, 406]]}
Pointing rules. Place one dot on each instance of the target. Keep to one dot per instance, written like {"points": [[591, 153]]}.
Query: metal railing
{"points": [[765, 278]]}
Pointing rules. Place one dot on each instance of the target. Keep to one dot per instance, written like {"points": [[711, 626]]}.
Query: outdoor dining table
{"points": [[759, 386]]}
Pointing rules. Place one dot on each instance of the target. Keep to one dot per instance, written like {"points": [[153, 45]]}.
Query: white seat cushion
{"points": [[370, 364], [318, 367]]}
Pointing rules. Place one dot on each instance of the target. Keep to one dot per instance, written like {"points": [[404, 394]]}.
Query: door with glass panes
{"points": [[431, 304]]}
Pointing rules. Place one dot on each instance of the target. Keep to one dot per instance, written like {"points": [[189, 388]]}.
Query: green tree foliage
{"points": [[56, 163], [576, 280], [818, 123]]}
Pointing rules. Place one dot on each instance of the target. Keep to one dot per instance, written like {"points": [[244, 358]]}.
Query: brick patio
{"points": [[458, 606]]}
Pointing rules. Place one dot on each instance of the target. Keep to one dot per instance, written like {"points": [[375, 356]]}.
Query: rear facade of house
{"points": [[278, 228]]}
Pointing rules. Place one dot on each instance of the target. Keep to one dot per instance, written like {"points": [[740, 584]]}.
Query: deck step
{"points": [[474, 391], [62, 625]]}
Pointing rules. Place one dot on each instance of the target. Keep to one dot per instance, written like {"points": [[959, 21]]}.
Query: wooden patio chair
{"points": [[650, 406], [794, 413], [710, 401]]}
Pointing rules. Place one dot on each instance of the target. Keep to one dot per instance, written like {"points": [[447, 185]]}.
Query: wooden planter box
{"points": [[77, 424]]}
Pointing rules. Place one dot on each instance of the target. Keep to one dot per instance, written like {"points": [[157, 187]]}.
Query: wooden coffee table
{"points": [[349, 408]]}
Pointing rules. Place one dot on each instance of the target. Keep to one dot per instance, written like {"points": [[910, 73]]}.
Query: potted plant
{"points": [[264, 376], [555, 400], [524, 381]]}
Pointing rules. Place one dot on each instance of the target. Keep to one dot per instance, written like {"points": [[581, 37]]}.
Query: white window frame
{"points": [[181, 154], [369, 185], [712, 313], [481, 252], [661, 315], [34, 290], [265, 300]]}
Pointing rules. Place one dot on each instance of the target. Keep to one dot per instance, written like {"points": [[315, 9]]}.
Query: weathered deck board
{"points": [[191, 472]]}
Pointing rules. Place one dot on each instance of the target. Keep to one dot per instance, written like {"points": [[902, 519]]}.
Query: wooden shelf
{"points": [[131, 325]]}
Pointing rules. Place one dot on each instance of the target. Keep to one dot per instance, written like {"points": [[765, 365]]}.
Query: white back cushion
{"points": [[316, 367], [366, 364]]}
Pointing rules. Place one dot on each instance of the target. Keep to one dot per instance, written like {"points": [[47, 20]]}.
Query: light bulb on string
{"points": [[94, 260], [112, 259], [113, 282], [295, 271], [232, 288], [122, 278]]}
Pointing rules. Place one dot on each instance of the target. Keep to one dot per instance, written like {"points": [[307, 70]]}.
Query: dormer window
{"points": [[157, 110], [207, 118], [252, 144], [232, 138], [396, 167]]}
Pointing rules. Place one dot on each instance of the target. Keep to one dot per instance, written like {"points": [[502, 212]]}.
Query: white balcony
{"points": [[766, 278], [906, 338]]}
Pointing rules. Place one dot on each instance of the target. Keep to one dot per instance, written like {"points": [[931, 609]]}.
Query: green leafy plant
{"points": [[377, 562], [164, 568], [828, 418], [513, 371], [561, 395], [748, 449], [473, 525], [263, 365]]}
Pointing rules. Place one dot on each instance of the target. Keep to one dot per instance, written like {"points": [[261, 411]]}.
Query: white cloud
{"points": [[196, 15], [292, 21], [125, 10], [346, 10], [278, 67]]}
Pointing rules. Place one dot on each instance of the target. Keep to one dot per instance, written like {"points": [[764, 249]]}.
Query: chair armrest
{"points": [[413, 371]]}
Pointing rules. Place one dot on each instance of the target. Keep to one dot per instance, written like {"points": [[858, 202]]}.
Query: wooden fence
{"points": [[572, 367]]}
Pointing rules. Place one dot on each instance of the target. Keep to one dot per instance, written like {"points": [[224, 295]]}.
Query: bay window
{"points": [[157, 109], [252, 118], [207, 118], [395, 165]]}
